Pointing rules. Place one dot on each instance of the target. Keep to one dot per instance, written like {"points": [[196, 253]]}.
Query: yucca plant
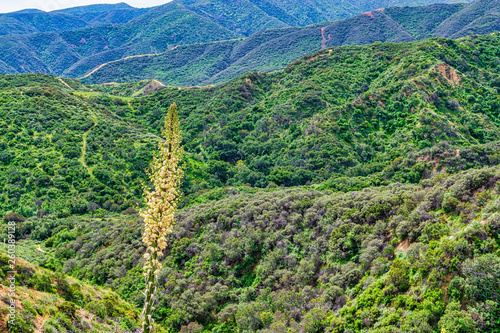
{"points": [[161, 203]]}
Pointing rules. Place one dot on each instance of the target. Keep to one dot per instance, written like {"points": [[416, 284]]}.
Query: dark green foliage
{"points": [[44, 283], [421, 22], [398, 274], [313, 261], [51, 170], [67, 308], [353, 116], [455, 320]]}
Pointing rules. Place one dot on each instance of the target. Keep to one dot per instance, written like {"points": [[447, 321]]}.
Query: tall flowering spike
{"points": [[161, 203]]}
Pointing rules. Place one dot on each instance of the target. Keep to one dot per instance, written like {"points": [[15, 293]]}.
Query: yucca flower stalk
{"points": [[161, 203]]}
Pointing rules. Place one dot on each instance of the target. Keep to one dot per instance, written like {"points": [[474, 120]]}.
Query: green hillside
{"points": [[56, 148], [213, 63], [364, 112], [399, 258], [354, 191], [357, 110], [52, 302], [421, 22]]}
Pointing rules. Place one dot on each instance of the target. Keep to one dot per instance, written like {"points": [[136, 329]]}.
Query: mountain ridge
{"points": [[123, 32], [225, 60]]}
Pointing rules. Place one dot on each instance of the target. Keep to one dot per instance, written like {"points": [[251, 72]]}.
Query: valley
{"points": [[341, 166]]}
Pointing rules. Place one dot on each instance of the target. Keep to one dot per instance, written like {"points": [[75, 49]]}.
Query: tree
{"points": [[455, 320], [161, 203]]}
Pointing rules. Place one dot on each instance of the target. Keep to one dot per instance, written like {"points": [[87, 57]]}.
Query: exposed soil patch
{"points": [[324, 39], [369, 14], [403, 246], [152, 86], [449, 73], [313, 58], [67, 85]]}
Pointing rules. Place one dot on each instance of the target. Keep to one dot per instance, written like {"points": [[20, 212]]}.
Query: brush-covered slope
{"points": [[211, 63], [51, 302], [59, 149], [270, 50], [353, 116], [354, 110], [399, 258]]}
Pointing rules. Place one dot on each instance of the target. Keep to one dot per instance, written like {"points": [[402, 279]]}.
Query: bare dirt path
{"points": [[67, 85], [40, 249], [323, 38], [84, 149], [118, 60]]}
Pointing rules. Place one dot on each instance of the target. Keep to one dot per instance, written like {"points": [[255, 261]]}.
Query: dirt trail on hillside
{"points": [[84, 150], [118, 60], [40, 249], [323, 38], [67, 85], [84, 147]]}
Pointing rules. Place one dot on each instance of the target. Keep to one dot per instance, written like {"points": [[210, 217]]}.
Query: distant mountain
{"points": [[98, 8], [155, 31], [480, 17], [270, 50], [31, 21], [27, 22], [74, 41], [295, 13]]}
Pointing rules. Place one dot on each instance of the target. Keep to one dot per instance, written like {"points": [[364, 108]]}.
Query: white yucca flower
{"points": [[161, 203]]}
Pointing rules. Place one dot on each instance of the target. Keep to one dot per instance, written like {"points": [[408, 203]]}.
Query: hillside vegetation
{"points": [[360, 116], [399, 258], [55, 303], [357, 190], [218, 62]]}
